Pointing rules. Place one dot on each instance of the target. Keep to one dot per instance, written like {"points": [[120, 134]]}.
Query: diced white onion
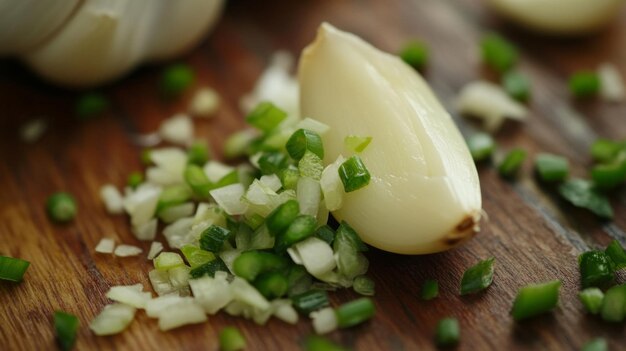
{"points": [[611, 83], [247, 294], [106, 245], [324, 320], [179, 277], [173, 213], [113, 319], [181, 313], [112, 198], [229, 257], [204, 103], [131, 295], [309, 195], [229, 198], [142, 203], [271, 181], [177, 129], [215, 170], [170, 165], [155, 248], [490, 103], [331, 185], [176, 233], [156, 306], [160, 281], [212, 294], [284, 311], [295, 256], [146, 231], [313, 125], [127, 250], [317, 256], [32, 130], [254, 159]]}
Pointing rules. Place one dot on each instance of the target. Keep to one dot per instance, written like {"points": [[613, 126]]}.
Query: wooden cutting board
{"points": [[533, 235]]}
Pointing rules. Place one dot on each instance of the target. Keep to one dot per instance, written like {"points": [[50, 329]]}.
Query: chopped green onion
{"points": [[346, 235], [272, 162], [91, 105], [282, 216], [196, 256], [61, 207], [326, 233], [168, 260], [610, 175], [266, 116], [617, 254], [498, 53], [231, 339], [300, 228], [355, 312], [299, 280], [310, 301], [212, 239], [271, 284], [598, 344], [310, 165], [516, 85], [551, 168], [477, 277], [430, 289], [146, 157], [209, 269], [448, 332], [303, 140], [197, 180], [176, 79], [355, 143], [134, 179], [512, 163], [363, 285], [592, 299], [198, 153], [536, 299], [65, 327], [596, 269], [12, 269], [481, 146], [173, 195], [415, 54], [289, 177], [604, 150], [614, 304], [320, 343], [353, 173], [584, 84], [252, 263], [581, 193]]}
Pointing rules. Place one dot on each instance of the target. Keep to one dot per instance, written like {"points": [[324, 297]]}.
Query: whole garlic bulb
{"points": [[87, 42], [559, 16]]}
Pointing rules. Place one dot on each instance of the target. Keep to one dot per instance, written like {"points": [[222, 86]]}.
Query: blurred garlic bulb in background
{"points": [[559, 16], [83, 43]]}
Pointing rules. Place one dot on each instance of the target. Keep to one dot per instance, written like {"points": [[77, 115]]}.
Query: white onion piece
{"points": [[229, 257], [174, 213], [177, 129], [215, 170], [212, 294], [160, 281], [331, 185], [271, 181], [181, 313], [316, 255], [490, 103], [112, 198], [155, 248], [309, 194], [146, 231], [127, 250], [113, 319], [106, 245], [229, 198], [176, 233], [142, 203], [284, 311], [131, 295], [313, 125], [33, 130], [155, 307], [205, 103], [324, 320], [179, 277], [247, 294], [611, 83]]}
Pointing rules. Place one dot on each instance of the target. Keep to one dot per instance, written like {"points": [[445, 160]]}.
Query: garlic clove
{"points": [[559, 16], [24, 24], [424, 193]]}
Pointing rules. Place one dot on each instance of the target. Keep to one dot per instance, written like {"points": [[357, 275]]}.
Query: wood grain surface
{"points": [[533, 235]]}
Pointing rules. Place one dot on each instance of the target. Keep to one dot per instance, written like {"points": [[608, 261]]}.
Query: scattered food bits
{"points": [[611, 83], [112, 198], [106, 245], [490, 103], [33, 130], [155, 249], [204, 103], [177, 130], [127, 251]]}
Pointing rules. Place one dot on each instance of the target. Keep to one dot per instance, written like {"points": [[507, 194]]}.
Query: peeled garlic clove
{"points": [[490, 103], [424, 193], [559, 16]]}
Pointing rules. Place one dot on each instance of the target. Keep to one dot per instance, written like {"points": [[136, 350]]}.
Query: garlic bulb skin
{"points": [[424, 194], [559, 16], [24, 24], [106, 38]]}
